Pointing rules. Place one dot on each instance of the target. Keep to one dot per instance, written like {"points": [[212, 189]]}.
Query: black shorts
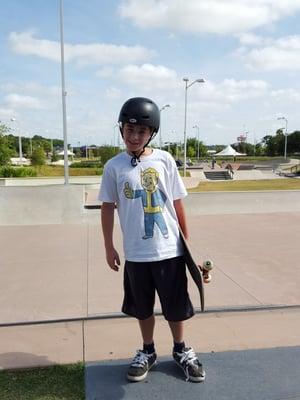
{"points": [[168, 278]]}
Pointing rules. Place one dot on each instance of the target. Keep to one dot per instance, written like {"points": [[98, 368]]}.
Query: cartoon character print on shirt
{"points": [[153, 200]]}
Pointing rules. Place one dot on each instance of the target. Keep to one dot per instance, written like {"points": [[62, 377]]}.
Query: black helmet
{"points": [[141, 111]]}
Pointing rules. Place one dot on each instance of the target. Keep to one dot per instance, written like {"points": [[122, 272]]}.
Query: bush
{"points": [[17, 172], [5, 154], [38, 156], [86, 171], [54, 157], [86, 164]]}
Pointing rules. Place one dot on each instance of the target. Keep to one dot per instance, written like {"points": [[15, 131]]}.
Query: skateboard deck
{"points": [[194, 269]]}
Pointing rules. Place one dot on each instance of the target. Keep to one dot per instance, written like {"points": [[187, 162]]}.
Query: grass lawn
{"points": [[62, 382], [232, 186]]}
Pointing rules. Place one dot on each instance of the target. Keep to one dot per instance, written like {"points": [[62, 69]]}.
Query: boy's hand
{"points": [[113, 259], [128, 191]]}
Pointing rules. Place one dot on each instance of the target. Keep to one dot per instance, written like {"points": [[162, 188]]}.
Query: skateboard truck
{"points": [[206, 267]]}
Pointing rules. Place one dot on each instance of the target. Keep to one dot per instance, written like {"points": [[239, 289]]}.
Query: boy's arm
{"points": [[179, 208], [107, 221]]}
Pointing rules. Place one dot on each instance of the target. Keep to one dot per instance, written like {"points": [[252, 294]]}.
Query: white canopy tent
{"points": [[61, 153], [61, 162], [229, 151]]}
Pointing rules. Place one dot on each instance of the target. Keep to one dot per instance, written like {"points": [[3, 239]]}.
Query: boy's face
{"points": [[135, 136]]}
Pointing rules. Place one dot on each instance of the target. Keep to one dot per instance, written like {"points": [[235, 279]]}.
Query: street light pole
{"points": [[198, 149], [20, 139], [185, 112], [285, 139], [163, 108], [63, 94], [118, 136]]}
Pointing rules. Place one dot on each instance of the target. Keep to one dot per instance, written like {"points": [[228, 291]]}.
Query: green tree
{"points": [[13, 144], [191, 152], [107, 152], [274, 145], [46, 146], [259, 150], [293, 143], [38, 156], [54, 157], [217, 148], [194, 143], [3, 129], [5, 152], [244, 148]]}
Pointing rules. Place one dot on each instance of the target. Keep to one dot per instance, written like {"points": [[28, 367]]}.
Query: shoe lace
{"points": [[140, 359], [188, 358]]}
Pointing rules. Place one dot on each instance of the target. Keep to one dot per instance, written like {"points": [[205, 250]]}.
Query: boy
{"points": [[145, 185]]}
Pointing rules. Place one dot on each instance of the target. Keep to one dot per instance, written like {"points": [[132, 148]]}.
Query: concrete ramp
{"points": [[41, 205]]}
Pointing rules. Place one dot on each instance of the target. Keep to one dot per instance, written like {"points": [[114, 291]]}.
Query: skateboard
{"points": [[199, 273]]}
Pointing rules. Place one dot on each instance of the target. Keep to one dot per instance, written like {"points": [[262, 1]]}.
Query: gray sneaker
{"points": [[141, 364], [191, 366]]}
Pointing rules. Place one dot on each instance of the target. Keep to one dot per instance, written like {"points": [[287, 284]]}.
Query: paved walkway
{"points": [[271, 374]]}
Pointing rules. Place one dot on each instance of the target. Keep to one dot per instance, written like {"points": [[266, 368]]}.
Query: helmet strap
{"points": [[136, 158]]}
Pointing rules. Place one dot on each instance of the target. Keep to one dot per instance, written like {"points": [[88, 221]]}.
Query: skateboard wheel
{"points": [[207, 278], [208, 265]]}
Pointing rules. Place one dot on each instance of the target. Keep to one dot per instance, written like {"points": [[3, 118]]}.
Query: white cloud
{"points": [[17, 101], [30, 96], [113, 93], [6, 113], [249, 39], [209, 16], [83, 54], [105, 72], [149, 77], [286, 95], [231, 90], [218, 125], [31, 89], [273, 54]]}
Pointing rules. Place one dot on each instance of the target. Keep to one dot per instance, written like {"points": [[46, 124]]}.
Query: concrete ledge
{"points": [[35, 205], [205, 332], [221, 203], [42, 345], [210, 203]]}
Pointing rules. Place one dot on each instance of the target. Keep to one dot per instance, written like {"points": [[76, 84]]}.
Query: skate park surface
{"points": [[53, 269]]}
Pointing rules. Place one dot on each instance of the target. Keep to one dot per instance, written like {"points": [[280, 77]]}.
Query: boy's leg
{"points": [[177, 331], [147, 329], [171, 284], [138, 302]]}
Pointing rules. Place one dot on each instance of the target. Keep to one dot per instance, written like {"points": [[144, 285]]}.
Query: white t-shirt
{"points": [[144, 197]]}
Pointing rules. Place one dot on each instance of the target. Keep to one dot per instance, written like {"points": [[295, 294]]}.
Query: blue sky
{"points": [[247, 52]]}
